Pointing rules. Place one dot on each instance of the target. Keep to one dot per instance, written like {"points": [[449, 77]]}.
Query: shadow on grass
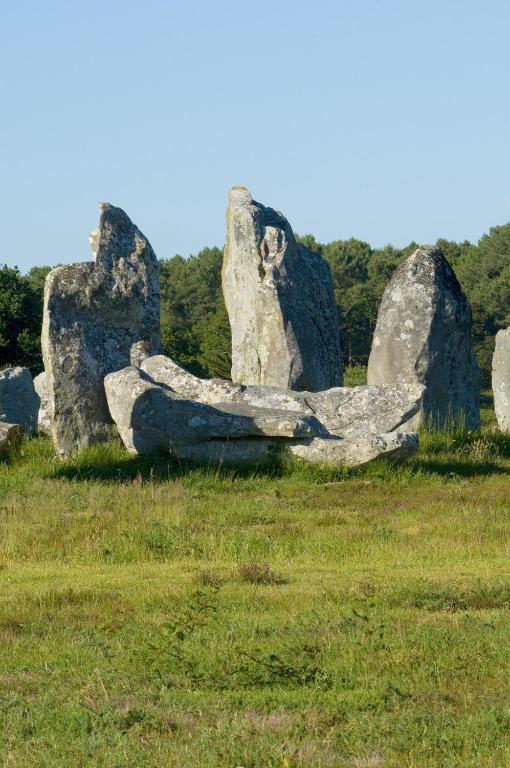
{"points": [[162, 468], [442, 454], [452, 467], [107, 465]]}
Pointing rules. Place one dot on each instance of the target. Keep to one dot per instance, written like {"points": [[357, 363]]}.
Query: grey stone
{"points": [[343, 411], [44, 417], [19, 402], [98, 317], [501, 379], [280, 301], [11, 435], [151, 417], [423, 335], [358, 449], [149, 414], [336, 452]]}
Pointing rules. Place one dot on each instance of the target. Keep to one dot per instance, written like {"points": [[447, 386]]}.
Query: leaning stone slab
{"points": [[280, 301], [19, 403], [423, 336], [44, 417], [98, 317], [501, 379], [10, 436], [343, 411], [150, 417]]}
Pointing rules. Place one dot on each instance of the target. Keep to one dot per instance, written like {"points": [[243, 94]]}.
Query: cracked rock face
{"points": [[151, 417], [343, 411], [19, 402], [209, 421], [98, 317], [423, 335], [501, 379], [280, 301]]}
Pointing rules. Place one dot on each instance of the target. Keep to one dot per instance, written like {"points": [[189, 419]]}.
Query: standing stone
{"points": [[99, 317], [501, 379], [19, 403], [280, 301], [423, 334], [44, 418]]}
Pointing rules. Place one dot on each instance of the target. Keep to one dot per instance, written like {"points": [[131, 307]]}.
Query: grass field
{"points": [[152, 614]]}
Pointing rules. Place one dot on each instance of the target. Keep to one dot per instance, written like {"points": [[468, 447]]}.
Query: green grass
{"points": [[153, 614]]}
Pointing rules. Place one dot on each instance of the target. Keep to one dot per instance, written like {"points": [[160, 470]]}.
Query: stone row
{"points": [[104, 374]]}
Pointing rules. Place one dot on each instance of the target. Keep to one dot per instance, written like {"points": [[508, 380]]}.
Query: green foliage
{"points": [[355, 375], [484, 273], [20, 320], [194, 321], [387, 644]]}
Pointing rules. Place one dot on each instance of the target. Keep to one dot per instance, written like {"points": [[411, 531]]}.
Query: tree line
{"points": [[194, 322]]}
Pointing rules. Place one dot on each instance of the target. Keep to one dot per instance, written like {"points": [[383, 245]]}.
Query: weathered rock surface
{"points": [[19, 403], [280, 301], [358, 449], [394, 446], [151, 417], [343, 411], [146, 413], [423, 335], [98, 317], [44, 417], [501, 379], [10, 436]]}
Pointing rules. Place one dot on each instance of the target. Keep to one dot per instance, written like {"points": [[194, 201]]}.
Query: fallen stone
{"points": [[19, 402], [423, 335], [151, 417], [148, 414], [44, 417], [501, 379], [280, 301], [98, 317], [343, 411], [11, 436]]}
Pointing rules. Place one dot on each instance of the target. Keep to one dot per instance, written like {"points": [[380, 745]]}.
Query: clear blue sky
{"points": [[387, 120]]}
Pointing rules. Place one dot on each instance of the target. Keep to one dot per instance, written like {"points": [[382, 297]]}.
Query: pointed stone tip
{"points": [[239, 195], [113, 215], [428, 251]]}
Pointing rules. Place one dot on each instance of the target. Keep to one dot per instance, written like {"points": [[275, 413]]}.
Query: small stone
{"points": [[19, 402], [11, 436]]}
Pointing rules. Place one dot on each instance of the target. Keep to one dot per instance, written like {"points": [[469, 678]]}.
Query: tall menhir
{"points": [[280, 301], [99, 317], [423, 336]]}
